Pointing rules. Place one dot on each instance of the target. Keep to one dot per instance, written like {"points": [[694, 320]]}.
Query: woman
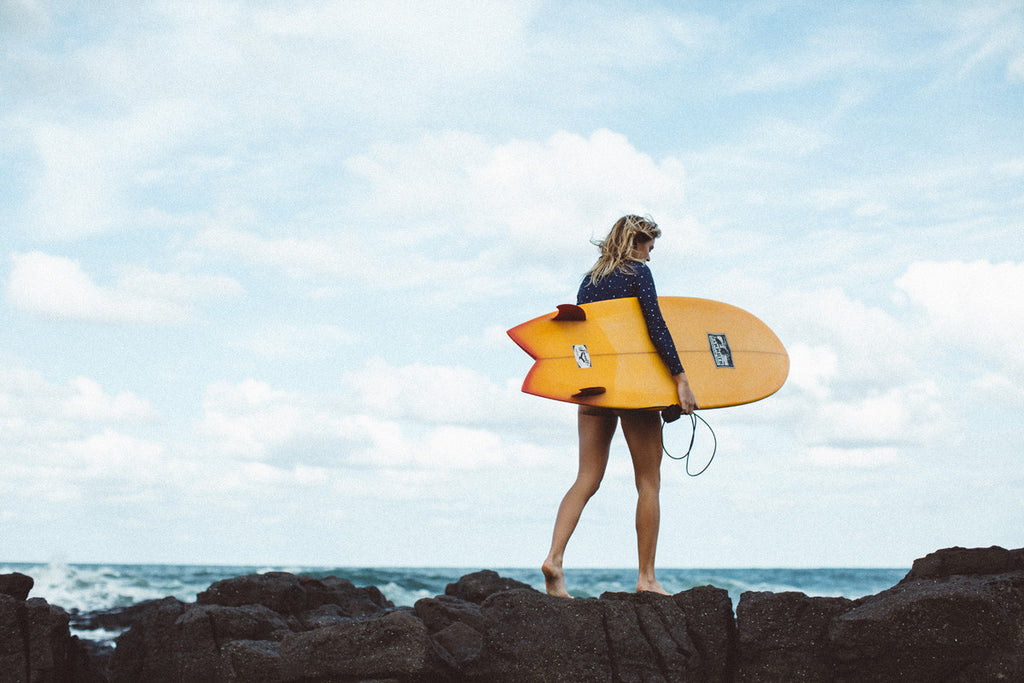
{"points": [[621, 272]]}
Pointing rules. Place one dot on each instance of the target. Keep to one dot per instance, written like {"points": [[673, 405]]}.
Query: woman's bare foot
{"points": [[651, 586], [554, 580]]}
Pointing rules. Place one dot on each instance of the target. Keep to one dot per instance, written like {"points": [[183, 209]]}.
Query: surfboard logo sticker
{"points": [[582, 356], [720, 350]]}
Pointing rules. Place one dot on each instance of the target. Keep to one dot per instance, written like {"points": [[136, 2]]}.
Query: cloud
{"points": [[521, 190], [466, 220], [440, 395], [90, 402], [28, 401], [908, 414], [986, 32], [841, 343], [427, 417], [978, 306], [95, 176], [58, 287]]}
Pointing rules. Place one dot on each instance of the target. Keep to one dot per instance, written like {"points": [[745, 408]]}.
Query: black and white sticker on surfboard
{"points": [[720, 350], [582, 356]]}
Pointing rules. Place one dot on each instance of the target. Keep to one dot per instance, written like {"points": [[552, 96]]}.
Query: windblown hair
{"points": [[617, 249]]}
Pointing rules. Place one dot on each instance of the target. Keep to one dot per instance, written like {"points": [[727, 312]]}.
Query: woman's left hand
{"points": [[687, 401]]}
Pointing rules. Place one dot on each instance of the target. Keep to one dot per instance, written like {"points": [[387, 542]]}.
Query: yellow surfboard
{"points": [[600, 354]]}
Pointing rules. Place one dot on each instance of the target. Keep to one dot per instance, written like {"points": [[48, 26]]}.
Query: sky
{"points": [[257, 261]]}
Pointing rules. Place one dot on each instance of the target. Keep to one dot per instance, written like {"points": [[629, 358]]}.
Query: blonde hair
{"points": [[617, 249]]}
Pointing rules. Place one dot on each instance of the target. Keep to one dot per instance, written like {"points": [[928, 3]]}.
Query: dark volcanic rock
{"points": [[958, 616], [36, 645], [395, 646], [16, 585], [621, 637], [479, 586], [966, 562], [113, 619], [456, 628], [289, 594], [784, 636], [236, 628]]}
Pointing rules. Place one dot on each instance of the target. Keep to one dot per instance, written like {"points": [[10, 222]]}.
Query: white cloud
{"points": [[978, 306], [458, 214], [32, 407], [866, 343], [440, 395], [90, 402], [529, 192], [90, 168], [905, 414], [111, 455], [430, 417], [250, 420], [58, 287], [811, 368]]}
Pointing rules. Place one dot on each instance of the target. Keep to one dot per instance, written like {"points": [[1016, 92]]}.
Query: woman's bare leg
{"points": [[643, 436], [595, 438]]}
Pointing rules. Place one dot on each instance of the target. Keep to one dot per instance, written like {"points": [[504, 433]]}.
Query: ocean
{"points": [[86, 588]]}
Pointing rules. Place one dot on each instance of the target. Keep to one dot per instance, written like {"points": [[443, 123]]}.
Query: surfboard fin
{"points": [[570, 312], [589, 391]]}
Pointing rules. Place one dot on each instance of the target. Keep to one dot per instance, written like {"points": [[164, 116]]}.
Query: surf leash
{"points": [[673, 413]]}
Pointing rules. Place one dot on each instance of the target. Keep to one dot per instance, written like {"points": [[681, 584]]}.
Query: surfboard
{"points": [[601, 354]]}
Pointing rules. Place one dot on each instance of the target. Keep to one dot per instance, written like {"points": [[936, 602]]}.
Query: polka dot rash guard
{"points": [[635, 279]]}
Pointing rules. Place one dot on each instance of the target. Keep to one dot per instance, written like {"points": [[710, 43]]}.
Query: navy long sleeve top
{"points": [[635, 279]]}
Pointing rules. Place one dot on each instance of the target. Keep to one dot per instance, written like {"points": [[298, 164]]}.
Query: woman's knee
{"points": [[587, 487], [648, 483]]}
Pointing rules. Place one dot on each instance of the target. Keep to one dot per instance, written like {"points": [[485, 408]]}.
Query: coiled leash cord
{"points": [[673, 413]]}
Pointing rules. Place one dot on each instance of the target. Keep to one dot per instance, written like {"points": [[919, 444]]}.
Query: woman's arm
{"points": [[661, 337]]}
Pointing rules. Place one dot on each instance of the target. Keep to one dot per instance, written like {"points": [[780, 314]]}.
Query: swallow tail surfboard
{"points": [[600, 354]]}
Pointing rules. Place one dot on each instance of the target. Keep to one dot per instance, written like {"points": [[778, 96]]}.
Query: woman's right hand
{"points": [[687, 401]]}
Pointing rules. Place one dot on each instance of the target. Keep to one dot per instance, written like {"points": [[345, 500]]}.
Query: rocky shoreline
{"points": [[958, 615]]}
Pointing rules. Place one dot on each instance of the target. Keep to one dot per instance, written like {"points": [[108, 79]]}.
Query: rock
{"points": [[278, 591], [784, 636], [458, 645], [710, 623], [444, 610], [235, 629], [958, 616], [149, 650], [480, 585], [36, 645], [531, 636], [394, 646], [288, 594], [178, 642], [619, 637], [16, 585], [113, 619], [456, 628], [965, 562]]}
